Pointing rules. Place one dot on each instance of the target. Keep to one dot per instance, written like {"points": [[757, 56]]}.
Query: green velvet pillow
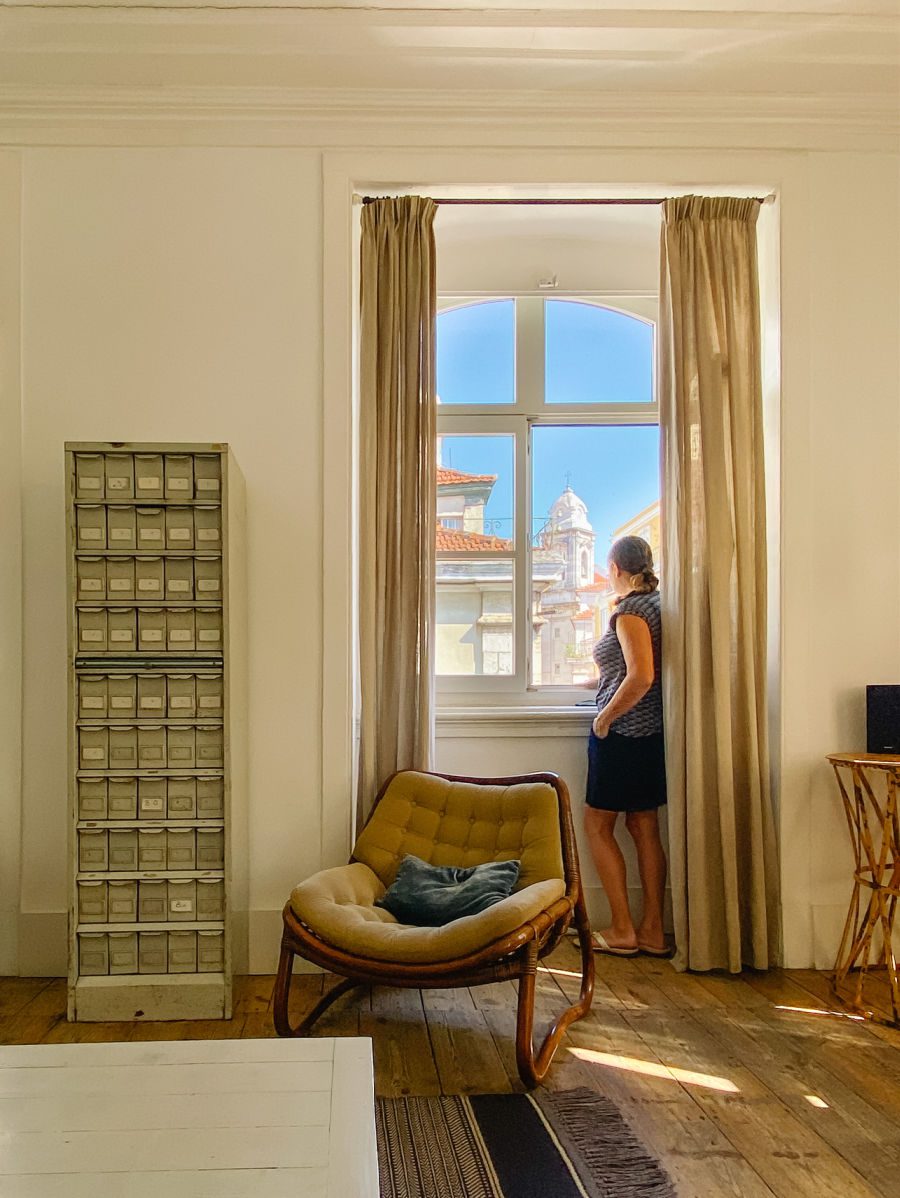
{"points": [[429, 896]]}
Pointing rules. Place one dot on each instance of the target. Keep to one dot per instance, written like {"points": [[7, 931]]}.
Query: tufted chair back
{"points": [[455, 822]]}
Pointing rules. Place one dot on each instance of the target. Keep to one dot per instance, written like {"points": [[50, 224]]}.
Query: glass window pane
{"points": [[475, 492], [476, 352], [591, 485], [596, 355], [474, 617]]}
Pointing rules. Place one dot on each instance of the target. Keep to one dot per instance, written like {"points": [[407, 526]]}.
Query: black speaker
{"points": [[883, 719]]}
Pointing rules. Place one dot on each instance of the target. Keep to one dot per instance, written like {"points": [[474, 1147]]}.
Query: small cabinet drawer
{"points": [[92, 798], [181, 848], [151, 746], [152, 629], [210, 848], [182, 798], [123, 798], [208, 528], [148, 578], [210, 899], [123, 952], [93, 954], [152, 798], [151, 528], [122, 696], [119, 475], [182, 952], [207, 476], [93, 851], [90, 574], [152, 849], [120, 578], [152, 948], [180, 630], [208, 578], [181, 899], [92, 626], [121, 629], [148, 476], [210, 746], [152, 900], [93, 748], [210, 952], [182, 697], [90, 527], [180, 578], [210, 695], [210, 797], [92, 697], [181, 748], [123, 747], [152, 696], [209, 628], [123, 850], [179, 474], [92, 902], [179, 527], [121, 530], [89, 476], [122, 901]]}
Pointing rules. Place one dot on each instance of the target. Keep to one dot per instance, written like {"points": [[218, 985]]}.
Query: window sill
{"points": [[513, 721]]}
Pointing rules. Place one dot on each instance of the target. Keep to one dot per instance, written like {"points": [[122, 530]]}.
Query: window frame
{"points": [[529, 411]]}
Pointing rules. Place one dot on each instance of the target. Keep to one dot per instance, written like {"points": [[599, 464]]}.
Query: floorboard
{"points": [[759, 1086]]}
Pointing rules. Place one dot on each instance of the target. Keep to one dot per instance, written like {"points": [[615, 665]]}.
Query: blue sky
{"points": [[590, 354]]}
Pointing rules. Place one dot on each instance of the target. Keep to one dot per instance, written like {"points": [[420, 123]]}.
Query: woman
{"points": [[626, 762]]}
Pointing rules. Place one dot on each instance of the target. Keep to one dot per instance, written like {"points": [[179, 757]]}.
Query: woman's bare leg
{"points": [[644, 829], [600, 827]]}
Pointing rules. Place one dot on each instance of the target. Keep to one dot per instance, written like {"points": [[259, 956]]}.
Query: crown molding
{"points": [[338, 116]]}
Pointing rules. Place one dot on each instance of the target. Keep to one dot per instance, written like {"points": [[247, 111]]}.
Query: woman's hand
{"points": [[600, 726]]}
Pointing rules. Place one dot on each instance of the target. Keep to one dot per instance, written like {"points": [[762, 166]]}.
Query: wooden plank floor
{"points": [[751, 1087]]}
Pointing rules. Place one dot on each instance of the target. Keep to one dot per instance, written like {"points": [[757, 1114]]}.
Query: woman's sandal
{"points": [[655, 952], [602, 946]]}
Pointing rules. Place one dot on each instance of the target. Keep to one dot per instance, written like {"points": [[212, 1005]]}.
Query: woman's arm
{"points": [[637, 649]]}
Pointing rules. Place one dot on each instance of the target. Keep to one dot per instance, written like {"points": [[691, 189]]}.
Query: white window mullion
{"points": [[522, 571]]}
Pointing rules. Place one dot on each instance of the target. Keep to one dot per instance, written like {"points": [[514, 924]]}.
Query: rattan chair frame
{"points": [[513, 957]]}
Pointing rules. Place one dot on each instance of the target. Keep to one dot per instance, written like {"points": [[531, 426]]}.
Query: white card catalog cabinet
{"points": [[157, 766]]}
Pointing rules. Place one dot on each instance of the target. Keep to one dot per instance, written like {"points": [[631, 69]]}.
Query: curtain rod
{"points": [[523, 203]]}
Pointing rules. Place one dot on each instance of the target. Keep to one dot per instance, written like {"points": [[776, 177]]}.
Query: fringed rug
{"points": [[562, 1144]]}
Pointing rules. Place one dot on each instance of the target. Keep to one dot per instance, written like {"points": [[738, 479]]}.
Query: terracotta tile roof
{"points": [[455, 538], [600, 584], [446, 477], [586, 613]]}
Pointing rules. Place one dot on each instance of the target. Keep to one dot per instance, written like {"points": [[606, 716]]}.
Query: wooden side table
{"points": [[865, 972]]}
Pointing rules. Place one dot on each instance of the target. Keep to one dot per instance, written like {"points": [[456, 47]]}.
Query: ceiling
{"points": [[778, 48]]}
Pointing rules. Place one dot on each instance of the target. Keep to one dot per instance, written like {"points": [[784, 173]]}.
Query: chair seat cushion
{"points": [[338, 905]]}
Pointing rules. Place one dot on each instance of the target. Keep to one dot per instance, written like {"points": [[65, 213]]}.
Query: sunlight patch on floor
{"points": [[818, 1011], [687, 1077]]}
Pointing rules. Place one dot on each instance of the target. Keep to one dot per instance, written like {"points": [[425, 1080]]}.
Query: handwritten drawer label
{"points": [[179, 534], [92, 634], [92, 584], [148, 482], [151, 534]]}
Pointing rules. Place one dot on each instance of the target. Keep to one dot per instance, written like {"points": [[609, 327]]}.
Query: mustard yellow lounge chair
{"points": [[331, 918]]}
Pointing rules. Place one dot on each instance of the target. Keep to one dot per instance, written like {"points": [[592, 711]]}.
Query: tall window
{"points": [[548, 450]]}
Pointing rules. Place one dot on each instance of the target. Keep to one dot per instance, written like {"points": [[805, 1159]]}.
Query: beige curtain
{"points": [[721, 829], [397, 479]]}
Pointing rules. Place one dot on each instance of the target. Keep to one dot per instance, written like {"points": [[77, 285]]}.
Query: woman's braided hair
{"points": [[634, 556]]}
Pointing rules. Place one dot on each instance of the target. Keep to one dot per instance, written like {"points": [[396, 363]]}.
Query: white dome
{"points": [[570, 512]]}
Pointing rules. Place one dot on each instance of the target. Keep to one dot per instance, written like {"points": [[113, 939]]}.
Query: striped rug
{"points": [[548, 1144]]}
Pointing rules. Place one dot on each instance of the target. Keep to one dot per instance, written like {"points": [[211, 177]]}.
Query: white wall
{"points": [[177, 294]]}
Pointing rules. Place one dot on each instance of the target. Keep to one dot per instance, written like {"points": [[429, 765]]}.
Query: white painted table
{"points": [[201, 1119]]}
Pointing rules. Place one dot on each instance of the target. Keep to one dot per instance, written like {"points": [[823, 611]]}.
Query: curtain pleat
{"points": [[724, 867], [397, 480]]}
